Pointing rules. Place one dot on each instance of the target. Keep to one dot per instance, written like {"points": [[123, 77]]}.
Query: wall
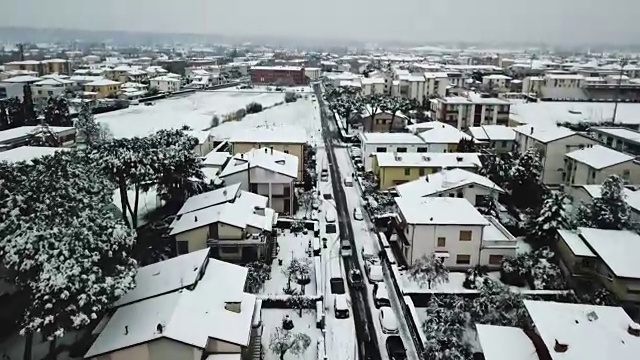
{"points": [[424, 241], [391, 176], [221, 347], [197, 238], [160, 349], [291, 148], [369, 148]]}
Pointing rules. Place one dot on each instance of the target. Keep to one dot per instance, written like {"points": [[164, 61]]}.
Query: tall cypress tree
{"points": [[4, 120], [27, 106], [15, 113]]}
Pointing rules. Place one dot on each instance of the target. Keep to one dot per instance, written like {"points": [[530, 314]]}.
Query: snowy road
{"points": [[366, 238]]}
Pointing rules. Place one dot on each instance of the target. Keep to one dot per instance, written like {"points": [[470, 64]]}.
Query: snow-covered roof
{"points": [[372, 80], [102, 82], [201, 135], [216, 158], [505, 343], [443, 135], [55, 76], [551, 112], [244, 212], [623, 133], [575, 243], [53, 82], [429, 160], [23, 131], [165, 78], [492, 133], [391, 138], [210, 198], [443, 181], [618, 249], [22, 79], [558, 76], [496, 77], [544, 134], [86, 78], [166, 276], [265, 158], [187, 316], [439, 211], [27, 153], [591, 332], [293, 135], [599, 157]]}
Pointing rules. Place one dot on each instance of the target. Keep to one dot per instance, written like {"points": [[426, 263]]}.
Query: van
{"points": [[341, 306]]}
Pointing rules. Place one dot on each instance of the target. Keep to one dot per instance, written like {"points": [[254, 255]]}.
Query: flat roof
{"points": [[623, 133], [599, 157], [552, 112], [618, 249], [439, 211]]}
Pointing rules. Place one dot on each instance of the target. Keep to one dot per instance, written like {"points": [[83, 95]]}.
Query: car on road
{"points": [[357, 214], [340, 306], [395, 348], [380, 295], [324, 175], [374, 273], [355, 278], [388, 320], [345, 248], [348, 181]]}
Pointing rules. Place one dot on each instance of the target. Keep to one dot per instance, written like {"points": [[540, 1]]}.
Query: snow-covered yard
{"points": [[453, 286], [194, 110], [272, 318], [292, 246]]}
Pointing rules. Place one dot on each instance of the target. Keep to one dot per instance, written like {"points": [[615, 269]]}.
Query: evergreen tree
{"points": [[89, 131], [30, 117], [525, 181], [42, 135], [542, 226], [15, 113], [4, 119], [610, 210], [466, 146], [56, 113], [429, 270]]}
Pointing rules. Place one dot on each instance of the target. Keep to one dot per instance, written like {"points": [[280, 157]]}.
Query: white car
{"points": [[348, 181], [388, 321], [341, 306], [381, 295], [374, 272], [357, 214]]}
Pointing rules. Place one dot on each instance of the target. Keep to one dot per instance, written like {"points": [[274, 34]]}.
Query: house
{"points": [[187, 323], [499, 82], [458, 183], [593, 164], [564, 331], [608, 256], [563, 86], [22, 79], [381, 121], [21, 136], [471, 110], [501, 138], [452, 229], [51, 87], [27, 153], [290, 142], [443, 137], [552, 143], [103, 88], [585, 194], [278, 75], [371, 143], [266, 172], [372, 85], [213, 163], [50, 66], [399, 168], [236, 224], [165, 84], [205, 141], [619, 138]]}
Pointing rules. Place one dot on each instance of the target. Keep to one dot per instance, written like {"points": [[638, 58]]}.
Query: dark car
{"points": [[355, 277], [395, 348]]}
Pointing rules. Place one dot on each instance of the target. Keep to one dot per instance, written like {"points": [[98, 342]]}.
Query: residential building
{"points": [[459, 183], [51, 87], [593, 164], [210, 317], [206, 141], [236, 224], [467, 111], [165, 84], [103, 88], [292, 142], [552, 143], [372, 86], [312, 73], [420, 86], [22, 80], [443, 137], [452, 229], [11, 90], [585, 194], [27, 153], [213, 163], [532, 84], [619, 138], [607, 256], [497, 82], [29, 65], [393, 169], [381, 121], [13, 73], [21, 136], [562, 86], [375, 142], [500, 138], [266, 172], [56, 66], [278, 75], [564, 331]]}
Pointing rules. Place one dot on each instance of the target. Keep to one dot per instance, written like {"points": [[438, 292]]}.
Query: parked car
{"points": [[348, 181], [388, 320], [355, 277], [374, 272], [380, 295], [357, 214], [330, 217], [341, 306], [395, 348]]}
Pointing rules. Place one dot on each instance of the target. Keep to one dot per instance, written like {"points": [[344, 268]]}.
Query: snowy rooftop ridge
{"points": [[599, 157], [544, 134], [443, 135], [616, 248], [265, 158], [443, 181], [493, 133]]}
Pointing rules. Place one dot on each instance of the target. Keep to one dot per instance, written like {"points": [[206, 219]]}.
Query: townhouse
{"points": [[266, 172], [453, 230], [619, 138], [500, 138], [371, 143], [594, 163], [471, 110], [552, 143], [393, 169]]}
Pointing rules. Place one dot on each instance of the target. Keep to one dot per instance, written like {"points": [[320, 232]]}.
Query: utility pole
{"points": [[623, 63], [21, 51]]}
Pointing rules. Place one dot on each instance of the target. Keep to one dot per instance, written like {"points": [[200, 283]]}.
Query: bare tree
{"points": [[286, 341], [429, 270]]}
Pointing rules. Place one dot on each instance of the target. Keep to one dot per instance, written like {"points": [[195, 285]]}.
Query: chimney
{"points": [[271, 150], [233, 306], [159, 328], [126, 330], [195, 218], [266, 150], [634, 329], [241, 156], [459, 158], [560, 346], [532, 130]]}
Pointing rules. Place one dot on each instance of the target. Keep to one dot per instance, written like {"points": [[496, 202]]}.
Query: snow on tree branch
{"points": [[429, 270]]}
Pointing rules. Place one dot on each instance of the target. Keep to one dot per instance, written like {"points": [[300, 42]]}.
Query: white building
{"points": [[312, 73], [51, 87], [595, 163], [452, 229], [471, 110], [372, 86], [552, 143], [559, 86], [498, 137], [498, 82], [389, 142], [165, 84]]}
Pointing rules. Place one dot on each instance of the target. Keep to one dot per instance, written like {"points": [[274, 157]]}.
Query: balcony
{"points": [[495, 236]]}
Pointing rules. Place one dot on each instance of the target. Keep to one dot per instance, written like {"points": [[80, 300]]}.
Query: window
{"points": [[495, 259], [182, 247], [407, 171], [422, 150], [421, 171], [402, 150], [442, 242], [228, 249], [381, 149], [625, 174], [460, 194], [465, 235], [463, 259]]}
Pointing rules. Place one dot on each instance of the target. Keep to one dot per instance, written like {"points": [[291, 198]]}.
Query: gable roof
{"points": [[618, 249], [599, 157], [544, 134], [443, 135], [210, 198], [493, 132], [443, 181], [265, 158]]}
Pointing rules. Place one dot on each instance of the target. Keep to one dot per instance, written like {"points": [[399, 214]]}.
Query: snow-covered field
{"points": [[303, 113], [291, 246], [194, 110], [272, 318]]}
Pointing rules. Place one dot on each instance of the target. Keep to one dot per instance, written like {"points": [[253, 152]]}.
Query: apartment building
{"points": [[593, 164], [380, 122], [453, 230], [420, 86], [103, 88], [500, 138], [165, 84], [562, 86], [371, 143], [278, 75], [372, 86], [619, 138], [471, 110], [497, 82], [50, 66]]}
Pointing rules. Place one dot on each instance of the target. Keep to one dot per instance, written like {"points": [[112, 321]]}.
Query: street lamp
{"points": [[623, 63]]}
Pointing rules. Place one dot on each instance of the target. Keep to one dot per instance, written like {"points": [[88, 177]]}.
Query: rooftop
{"points": [[443, 181], [616, 248], [264, 158], [496, 77], [619, 132], [575, 243], [293, 135], [24, 131], [551, 112], [22, 79], [443, 135], [544, 134], [216, 158], [102, 82], [391, 138], [439, 211], [598, 156], [430, 160], [493, 133], [505, 343], [210, 198], [278, 68]]}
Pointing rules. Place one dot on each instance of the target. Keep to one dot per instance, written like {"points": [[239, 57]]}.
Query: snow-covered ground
{"points": [[302, 113], [365, 237], [453, 286], [272, 318], [194, 110], [470, 335], [291, 246]]}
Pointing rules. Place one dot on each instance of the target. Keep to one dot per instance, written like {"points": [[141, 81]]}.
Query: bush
{"points": [[290, 97], [253, 108], [240, 114], [215, 121]]}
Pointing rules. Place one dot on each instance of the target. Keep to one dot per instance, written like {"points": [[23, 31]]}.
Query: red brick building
{"points": [[278, 75]]}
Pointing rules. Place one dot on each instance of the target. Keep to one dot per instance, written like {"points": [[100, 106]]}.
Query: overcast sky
{"points": [[551, 21]]}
